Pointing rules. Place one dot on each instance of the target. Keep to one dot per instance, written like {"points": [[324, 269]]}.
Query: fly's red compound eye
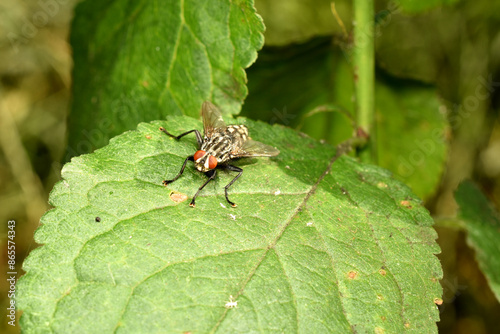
{"points": [[198, 154], [212, 162]]}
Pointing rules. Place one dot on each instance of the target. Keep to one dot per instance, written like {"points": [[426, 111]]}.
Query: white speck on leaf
{"points": [[277, 192], [233, 217], [111, 274], [309, 224], [222, 205], [231, 303]]}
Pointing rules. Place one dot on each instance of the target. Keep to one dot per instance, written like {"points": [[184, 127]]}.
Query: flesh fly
{"points": [[219, 145]]}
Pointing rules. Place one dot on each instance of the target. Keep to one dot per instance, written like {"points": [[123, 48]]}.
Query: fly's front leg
{"points": [[234, 169], [199, 138], [212, 173], [190, 158]]}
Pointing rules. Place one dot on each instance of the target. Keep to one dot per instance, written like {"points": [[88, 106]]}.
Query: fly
{"points": [[220, 144]]}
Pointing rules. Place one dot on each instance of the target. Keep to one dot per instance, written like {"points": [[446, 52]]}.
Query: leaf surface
{"points": [[142, 60], [483, 226], [318, 243]]}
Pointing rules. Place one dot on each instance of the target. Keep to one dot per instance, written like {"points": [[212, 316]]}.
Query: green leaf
{"points": [[142, 60], [410, 128], [411, 133], [416, 6], [305, 77], [417, 57], [318, 243], [296, 21], [482, 223]]}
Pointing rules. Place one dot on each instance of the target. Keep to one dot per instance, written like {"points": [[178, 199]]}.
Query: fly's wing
{"points": [[252, 148], [212, 119]]}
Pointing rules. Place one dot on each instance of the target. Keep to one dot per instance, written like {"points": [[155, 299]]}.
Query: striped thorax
{"points": [[221, 147]]}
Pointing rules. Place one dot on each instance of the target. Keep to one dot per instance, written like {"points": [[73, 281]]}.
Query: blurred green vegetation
{"points": [[438, 61]]}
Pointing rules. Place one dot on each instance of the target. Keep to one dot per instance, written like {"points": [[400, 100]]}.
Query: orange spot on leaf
{"points": [[178, 197], [406, 204], [352, 274]]}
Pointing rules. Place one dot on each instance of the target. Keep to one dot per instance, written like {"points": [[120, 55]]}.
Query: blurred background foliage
{"points": [[437, 102]]}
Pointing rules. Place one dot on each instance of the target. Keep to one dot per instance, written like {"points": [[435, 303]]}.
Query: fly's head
{"points": [[204, 161]]}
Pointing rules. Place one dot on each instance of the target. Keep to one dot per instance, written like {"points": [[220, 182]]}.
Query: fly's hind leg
{"points": [[234, 169]]}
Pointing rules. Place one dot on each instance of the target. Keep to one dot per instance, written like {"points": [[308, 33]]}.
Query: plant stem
{"points": [[364, 71]]}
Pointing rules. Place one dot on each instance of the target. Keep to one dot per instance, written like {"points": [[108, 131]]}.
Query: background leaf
{"points": [[411, 133], [296, 21], [483, 226], [317, 243], [414, 6], [410, 125], [142, 60], [288, 82]]}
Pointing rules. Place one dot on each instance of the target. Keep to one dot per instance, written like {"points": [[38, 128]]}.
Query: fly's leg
{"points": [[234, 169], [199, 138], [211, 175], [190, 158]]}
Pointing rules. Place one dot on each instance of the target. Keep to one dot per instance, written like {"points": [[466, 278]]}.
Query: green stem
{"points": [[364, 70]]}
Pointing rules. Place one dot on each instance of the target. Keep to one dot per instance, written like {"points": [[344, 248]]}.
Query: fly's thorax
{"points": [[219, 145]]}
